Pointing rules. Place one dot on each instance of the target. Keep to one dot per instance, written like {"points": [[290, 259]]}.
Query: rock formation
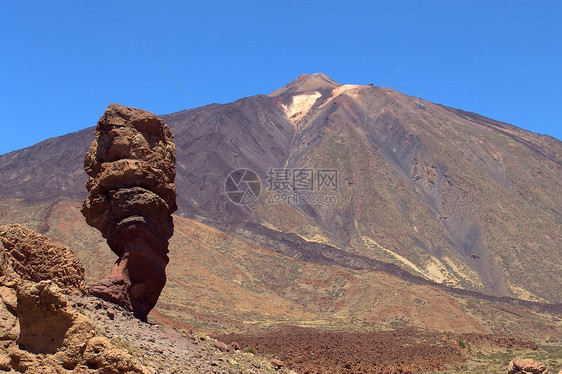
{"points": [[131, 165], [526, 366], [39, 331], [35, 258]]}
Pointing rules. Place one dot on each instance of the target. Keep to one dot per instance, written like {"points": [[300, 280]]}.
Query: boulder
{"points": [[526, 366], [222, 346], [131, 169], [277, 364]]}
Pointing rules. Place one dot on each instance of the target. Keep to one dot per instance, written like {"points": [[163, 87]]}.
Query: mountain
{"points": [[433, 202], [446, 194]]}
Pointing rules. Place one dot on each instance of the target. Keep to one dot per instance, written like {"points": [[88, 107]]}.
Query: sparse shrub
{"points": [[133, 351], [120, 343], [250, 350], [462, 344]]}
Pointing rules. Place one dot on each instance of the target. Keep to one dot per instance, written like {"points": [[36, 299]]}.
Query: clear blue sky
{"points": [[63, 62]]}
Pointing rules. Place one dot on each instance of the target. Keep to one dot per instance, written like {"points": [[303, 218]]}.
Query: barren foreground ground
{"points": [[398, 351]]}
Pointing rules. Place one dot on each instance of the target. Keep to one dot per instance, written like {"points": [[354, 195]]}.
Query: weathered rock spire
{"points": [[131, 165]]}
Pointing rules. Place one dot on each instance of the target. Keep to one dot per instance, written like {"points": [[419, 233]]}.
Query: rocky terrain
{"points": [[172, 350], [396, 351], [33, 257], [131, 168], [219, 282], [327, 299], [47, 329], [40, 332]]}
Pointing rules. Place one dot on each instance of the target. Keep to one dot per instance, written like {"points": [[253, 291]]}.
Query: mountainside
{"points": [[46, 331], [447, 195], [220, 282]]}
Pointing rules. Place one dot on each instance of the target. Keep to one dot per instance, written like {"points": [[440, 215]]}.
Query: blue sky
{"points": [[63, 62]]}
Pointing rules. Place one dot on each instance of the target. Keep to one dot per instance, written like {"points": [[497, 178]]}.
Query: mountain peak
{"points": [[307, 83], [323, 77]]}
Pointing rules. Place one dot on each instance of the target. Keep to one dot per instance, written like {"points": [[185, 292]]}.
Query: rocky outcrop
{"points": [[526, 366], [131, 169], [41, 333], [166, 347], [34, 257], [278, 364]]}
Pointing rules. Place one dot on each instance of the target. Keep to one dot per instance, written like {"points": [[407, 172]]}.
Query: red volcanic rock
{"points": [[526, 366], [131, 165], [222, 346], [35, 258], [277, 364]]}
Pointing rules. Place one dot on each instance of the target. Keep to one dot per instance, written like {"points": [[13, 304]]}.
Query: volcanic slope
{"points": [[220, 282]]}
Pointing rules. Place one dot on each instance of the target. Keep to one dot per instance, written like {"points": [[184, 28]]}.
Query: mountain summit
{"points": [[306, 83]]}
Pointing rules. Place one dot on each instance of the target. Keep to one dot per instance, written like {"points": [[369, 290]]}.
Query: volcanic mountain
{"points": [[353, 177]]}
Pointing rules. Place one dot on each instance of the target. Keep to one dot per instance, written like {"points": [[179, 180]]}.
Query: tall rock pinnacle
{"points": [[131, 168]]}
